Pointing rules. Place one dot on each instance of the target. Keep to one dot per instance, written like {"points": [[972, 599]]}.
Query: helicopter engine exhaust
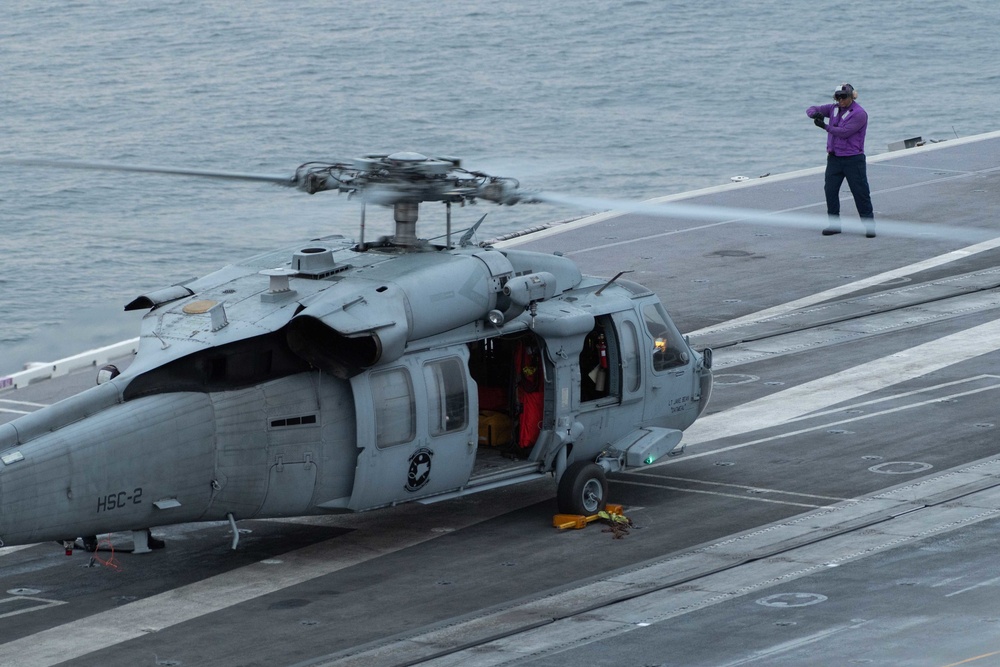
{"points": [[329, 350], [357, 325]]}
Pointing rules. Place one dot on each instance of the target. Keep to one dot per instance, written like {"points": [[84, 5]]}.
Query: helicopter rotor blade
{"points": [[787, 219], [289, 181], [370, 178]]}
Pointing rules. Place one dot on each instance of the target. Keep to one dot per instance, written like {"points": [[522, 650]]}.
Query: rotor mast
{"points": [[405, 215]]}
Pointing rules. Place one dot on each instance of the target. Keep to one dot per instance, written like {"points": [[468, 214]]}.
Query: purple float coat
{"points": [[846, 129]]}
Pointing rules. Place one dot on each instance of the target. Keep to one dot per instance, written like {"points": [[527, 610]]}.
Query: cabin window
{"points": [[446, 396], [395, 415], [668, 349]]}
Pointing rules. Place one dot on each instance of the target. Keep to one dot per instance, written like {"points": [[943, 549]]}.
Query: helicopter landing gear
{"points": [[583, 489]]}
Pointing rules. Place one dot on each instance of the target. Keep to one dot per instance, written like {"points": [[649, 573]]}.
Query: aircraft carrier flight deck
{"points": [[837, 504]]}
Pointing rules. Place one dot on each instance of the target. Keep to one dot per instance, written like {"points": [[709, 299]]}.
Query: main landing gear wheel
{"points": [[583, 489]]}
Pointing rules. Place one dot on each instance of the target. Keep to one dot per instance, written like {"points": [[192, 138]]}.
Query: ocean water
{"points": [[633, 100]]}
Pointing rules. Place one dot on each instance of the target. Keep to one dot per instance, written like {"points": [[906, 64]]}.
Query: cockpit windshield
{"points": [[669, 349]]}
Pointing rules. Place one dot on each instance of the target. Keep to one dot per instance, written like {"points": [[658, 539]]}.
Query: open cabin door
{"points": [[415, 428]]}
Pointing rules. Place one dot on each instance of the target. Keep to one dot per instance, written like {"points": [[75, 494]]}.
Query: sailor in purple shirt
{"points": [[845, 147]]}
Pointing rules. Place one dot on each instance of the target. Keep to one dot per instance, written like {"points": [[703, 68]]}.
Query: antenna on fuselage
{"points": [[608, 284]]}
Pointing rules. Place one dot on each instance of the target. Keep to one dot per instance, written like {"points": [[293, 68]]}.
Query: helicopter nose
{"points": [[707, 381]]}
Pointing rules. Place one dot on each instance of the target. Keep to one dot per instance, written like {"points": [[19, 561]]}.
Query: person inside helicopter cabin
{"points": [[530, 395], [845, 148]]}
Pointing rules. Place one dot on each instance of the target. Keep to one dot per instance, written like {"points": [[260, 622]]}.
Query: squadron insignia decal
{"points": [[420, 469]]}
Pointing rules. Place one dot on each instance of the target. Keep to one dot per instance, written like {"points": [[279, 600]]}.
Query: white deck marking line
{"points": [[846, 385], [988, 582], [716, 493], [849, 288], [763, 656], [895, 397], [820, 427], [77, 638], [9, 550], [737, 486], [42, 604], [936, 170], [947, 581], [13, 402], [12, 411]]}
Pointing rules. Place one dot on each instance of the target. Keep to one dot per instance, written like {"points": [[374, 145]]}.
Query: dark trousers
{"points": [[854, 169]]}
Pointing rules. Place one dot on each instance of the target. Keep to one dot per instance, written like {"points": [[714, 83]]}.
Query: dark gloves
{"points": [[818, 120]]}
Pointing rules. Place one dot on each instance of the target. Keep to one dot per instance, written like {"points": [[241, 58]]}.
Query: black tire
{"points": [[583, 489]]}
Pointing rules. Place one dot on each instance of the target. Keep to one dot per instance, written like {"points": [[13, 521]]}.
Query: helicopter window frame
{"points": [[590, 364], [631, 353], [395, 406], [447, 395], [669, 351]]}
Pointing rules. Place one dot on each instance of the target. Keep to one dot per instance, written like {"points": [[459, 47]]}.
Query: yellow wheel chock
{"points": [[565, 521]]}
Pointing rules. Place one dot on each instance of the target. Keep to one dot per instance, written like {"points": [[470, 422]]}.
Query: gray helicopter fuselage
{"points": [[348, 379]]}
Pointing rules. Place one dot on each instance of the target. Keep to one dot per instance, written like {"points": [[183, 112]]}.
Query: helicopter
{"points": [[338, 375]]}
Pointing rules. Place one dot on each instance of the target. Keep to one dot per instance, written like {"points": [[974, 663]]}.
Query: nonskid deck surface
{"points": [[837, 503]]}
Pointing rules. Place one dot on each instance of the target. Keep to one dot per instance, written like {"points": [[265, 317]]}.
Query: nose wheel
{"points": [[583, 489]]}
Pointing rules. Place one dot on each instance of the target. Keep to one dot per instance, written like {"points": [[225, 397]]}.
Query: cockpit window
{"points": [[669, 350]]}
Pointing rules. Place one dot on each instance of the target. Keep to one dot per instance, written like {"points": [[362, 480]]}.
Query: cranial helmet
{"points": [[845, 91]]}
